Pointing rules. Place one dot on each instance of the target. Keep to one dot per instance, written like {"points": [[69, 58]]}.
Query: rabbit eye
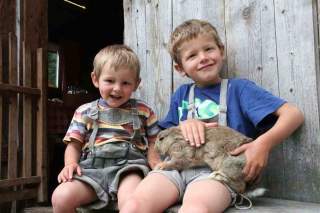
{"points": [[160, 138]]}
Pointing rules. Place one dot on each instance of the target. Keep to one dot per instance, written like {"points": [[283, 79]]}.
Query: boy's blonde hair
{"points": [[117, 56], [187, 31]]}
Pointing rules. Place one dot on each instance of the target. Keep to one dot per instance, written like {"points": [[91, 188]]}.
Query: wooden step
{"points": [[268, 205], [38, 209], [260, 205]]}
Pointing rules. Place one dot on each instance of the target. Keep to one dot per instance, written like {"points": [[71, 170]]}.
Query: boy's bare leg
{"points": [[155, 193], [127, 186], [205, 196], [70, 195]]}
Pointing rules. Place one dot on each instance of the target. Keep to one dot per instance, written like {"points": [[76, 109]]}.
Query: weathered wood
{"points": [[267, 205], [18, 195], [19, 181], [13, 140], [1, 104], [157, 57], [40, 209], [41, 125], [27, 114], [12, 90], [13, 116], [297, 77]]}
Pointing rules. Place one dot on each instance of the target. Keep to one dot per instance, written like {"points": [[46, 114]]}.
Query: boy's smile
{"points": [[201, 60], [116, 86]]}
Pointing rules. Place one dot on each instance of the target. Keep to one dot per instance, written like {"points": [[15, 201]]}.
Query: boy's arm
{"points": [[71, 159], [152, 155], [257, 152]]}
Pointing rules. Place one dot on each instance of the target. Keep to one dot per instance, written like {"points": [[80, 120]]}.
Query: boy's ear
{"points": [[222, 51], [179, 69], [95, 79], [137, 84]]}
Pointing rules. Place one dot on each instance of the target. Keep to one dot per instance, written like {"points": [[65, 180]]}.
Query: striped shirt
{"points": [[81, 126]]}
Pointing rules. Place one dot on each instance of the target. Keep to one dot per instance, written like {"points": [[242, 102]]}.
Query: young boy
{"points": [[110, 141], [199, 54]]}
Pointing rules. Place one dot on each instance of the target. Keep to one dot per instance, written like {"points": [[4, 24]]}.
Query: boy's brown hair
{"points": [[189, 30], [117, 56]]}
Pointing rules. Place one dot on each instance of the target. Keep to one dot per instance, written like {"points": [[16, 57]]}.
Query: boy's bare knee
{"points": [[193, 207], [132, 205], [62, 199]]}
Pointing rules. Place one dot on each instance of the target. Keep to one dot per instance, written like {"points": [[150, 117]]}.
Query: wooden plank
{"points": [[267, 205], [158, 73], [41, 126], [209, 10], [297, 77], [1, 105], [13, 119], [19, 181], [40, 209], [135, 36], [27, 114], [18, 195], [316, 18], [10, 89]]}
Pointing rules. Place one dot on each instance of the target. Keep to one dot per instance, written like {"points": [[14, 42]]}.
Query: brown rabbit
{"points": [[215, 153]]}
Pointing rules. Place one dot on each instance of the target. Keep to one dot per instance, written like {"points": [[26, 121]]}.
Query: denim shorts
{"points": [[103, 169], [183, 178]]}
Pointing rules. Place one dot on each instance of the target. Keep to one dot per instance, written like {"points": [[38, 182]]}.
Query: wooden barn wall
{"points": [[273, 43]]}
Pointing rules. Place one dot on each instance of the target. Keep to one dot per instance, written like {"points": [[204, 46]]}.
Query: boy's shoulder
{"points": [[142, 106], [87, 106], [240, 81], [235, 82]]}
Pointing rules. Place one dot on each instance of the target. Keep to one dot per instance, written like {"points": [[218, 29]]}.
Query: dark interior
{"points": [[79, 34]]}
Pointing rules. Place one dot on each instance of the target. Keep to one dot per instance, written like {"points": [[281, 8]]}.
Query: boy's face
{"points": [[116, 86], [201, 60]]}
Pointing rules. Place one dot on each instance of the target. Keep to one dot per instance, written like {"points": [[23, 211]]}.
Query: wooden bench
{"points": [[267, 205], [260, 205]]}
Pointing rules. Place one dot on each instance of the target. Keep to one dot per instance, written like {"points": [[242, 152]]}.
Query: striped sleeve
{"points": [[151, 119], [79, 126]]}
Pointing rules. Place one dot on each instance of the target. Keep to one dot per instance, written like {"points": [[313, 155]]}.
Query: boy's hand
{"points": [[256, 159], [193, 131], [66, 173]]}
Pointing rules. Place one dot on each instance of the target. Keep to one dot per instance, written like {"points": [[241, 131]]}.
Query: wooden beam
{"points": [[27, 114], [19, 181], [41, 125], [1, 103], [13, 90], [18, 195], [13, 114]]}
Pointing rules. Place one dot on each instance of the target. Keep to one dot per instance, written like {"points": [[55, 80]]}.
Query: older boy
{"points": [[199, 54]]}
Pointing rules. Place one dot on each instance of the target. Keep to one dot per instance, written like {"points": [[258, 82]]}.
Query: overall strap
{"points": [[222, 103], [191, 105], [136, 122], [94, 115], [117, 117]]}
